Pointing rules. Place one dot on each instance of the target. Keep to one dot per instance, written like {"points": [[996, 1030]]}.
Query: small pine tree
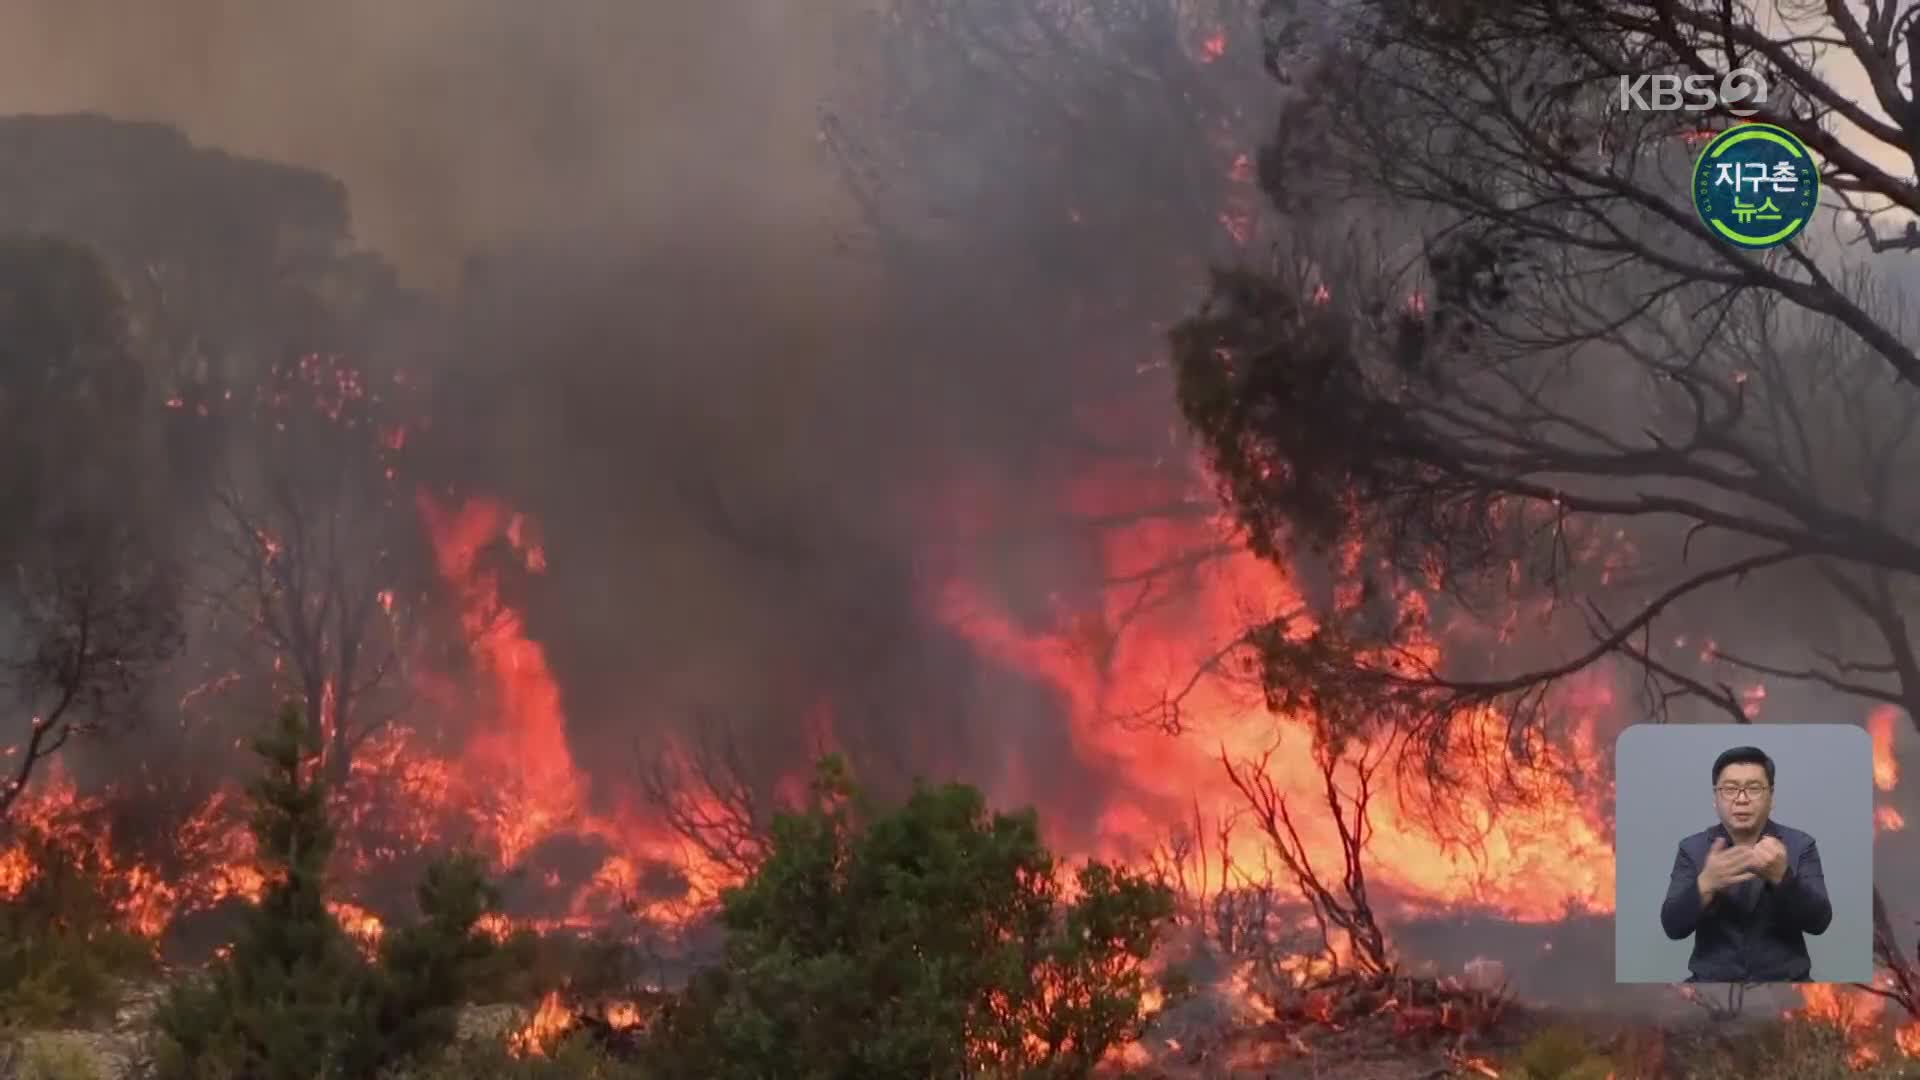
{"points": [[282, 1005], [425, 969], [295, 1000]]}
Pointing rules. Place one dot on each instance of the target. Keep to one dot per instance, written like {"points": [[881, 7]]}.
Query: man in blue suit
{"points": [[1749, 889]]}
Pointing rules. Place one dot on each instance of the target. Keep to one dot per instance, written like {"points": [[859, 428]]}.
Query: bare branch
{"points": [[1348, 909]]}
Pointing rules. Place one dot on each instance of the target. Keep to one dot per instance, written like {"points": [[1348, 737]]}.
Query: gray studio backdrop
{"points": [[1663, 792]]}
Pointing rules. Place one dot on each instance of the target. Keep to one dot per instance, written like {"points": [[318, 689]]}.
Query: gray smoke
{"points": [[739, 434]]}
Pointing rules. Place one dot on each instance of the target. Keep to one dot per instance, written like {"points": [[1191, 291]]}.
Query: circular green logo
{"points": [[1755, 185]]}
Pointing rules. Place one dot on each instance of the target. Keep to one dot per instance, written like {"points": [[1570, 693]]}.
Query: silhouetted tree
{"points": [[243, 290], [1547, 391], [294, 998], [88, 602], [322, 558]]}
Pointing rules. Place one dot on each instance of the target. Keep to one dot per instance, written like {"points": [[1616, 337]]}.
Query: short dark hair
{"points": [[1743, 755]]}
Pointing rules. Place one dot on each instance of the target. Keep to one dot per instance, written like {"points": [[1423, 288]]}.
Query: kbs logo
{"points": [[1740, 92]]}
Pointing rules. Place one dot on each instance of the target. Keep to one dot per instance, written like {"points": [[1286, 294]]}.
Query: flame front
{"points": [[504, 785], [1133, 657], [1855, 1012]]}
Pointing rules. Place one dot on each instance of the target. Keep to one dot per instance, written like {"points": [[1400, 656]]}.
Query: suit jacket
{"points": [[1755, 931]]}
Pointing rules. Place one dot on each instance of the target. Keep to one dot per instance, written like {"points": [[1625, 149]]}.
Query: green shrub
{"points": [[1794, 1050], [51, 1057], [412, 1007], [63, 956], [1559, 1053], [934, 940]]}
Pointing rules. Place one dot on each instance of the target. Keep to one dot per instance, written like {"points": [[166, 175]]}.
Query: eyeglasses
{"points": [[1732, 792]]}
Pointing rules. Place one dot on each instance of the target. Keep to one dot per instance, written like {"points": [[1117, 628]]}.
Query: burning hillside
{"points": [[481, 755], [507, 788], [1149, 669], [1155, 678], [584, 570], [461, 732]]}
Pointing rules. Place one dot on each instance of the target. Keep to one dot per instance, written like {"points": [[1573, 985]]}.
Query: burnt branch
{"points": [[1831, 679], [1338, 903], [1903, 982], [1169, 714], [1562, 396], [1506, 114], [707, 795], [95, 616], [319, 561]]}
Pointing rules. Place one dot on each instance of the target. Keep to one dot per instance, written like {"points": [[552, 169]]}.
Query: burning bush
{"points": [[295, 998], [61, 947], [1795, 1050], [936, 939]]}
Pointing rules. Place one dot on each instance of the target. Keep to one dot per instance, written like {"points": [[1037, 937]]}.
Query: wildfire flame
{"points": [[550, 1023], [1861, 1015], [1880, 724], [510, 786], [1886, 768], [1907, 1038], [1535, 859], [508, 781]]}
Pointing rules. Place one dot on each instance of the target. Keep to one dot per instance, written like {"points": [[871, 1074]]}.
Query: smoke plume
{"points": [[741, 449]]}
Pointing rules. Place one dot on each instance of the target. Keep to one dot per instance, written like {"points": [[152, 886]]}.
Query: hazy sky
{"points": [[456, 123]]}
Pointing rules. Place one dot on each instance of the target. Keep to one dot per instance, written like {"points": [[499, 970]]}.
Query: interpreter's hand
{"points": [[1726, 867], [1770, 859]]}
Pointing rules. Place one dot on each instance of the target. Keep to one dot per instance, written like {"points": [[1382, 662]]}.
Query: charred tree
{"points": [[94, 617], [1543, 385], [714, 798], [226, 264], [1338, 898], [321, 565], [88, 598]]}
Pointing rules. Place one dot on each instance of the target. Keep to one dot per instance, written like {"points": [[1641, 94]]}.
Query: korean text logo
{"points": [[1755, 185]]}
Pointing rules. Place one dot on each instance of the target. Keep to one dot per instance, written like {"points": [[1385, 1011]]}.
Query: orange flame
{"points": [[1855, 1012], [361, 925], [1907, 1038], [518, 770], [550, 1023], [1880, 724], [510, 786], [1535, 858], [623, 1015]]}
